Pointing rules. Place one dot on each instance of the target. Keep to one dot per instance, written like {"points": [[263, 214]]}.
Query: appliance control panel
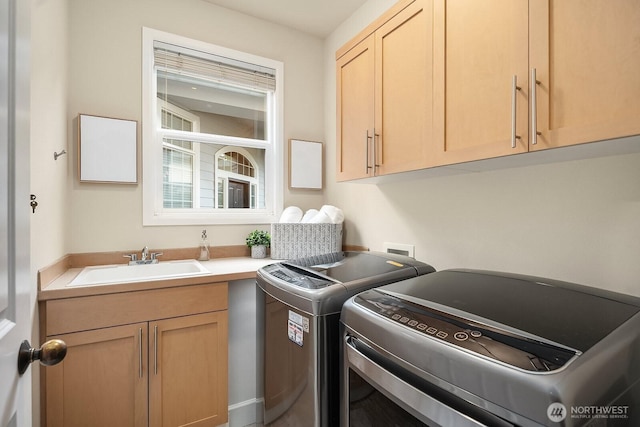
{"points": [[298, 276], [514, 350]]}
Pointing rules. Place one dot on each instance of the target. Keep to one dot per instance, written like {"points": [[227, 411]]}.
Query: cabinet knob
{"points": [[50, 353]]}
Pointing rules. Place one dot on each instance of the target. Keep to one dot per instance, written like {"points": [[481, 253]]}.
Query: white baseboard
{"points": [[246, 413]]}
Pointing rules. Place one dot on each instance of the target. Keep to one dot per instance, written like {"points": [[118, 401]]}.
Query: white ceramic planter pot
{"points": [[259, 251]]}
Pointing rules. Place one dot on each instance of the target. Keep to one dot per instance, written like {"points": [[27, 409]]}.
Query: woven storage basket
{"points": [[298, 240]]}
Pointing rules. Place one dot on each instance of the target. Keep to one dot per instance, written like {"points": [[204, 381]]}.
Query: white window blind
{"points": [[179, 60]]}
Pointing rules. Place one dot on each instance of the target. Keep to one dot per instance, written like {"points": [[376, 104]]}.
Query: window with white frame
{"points": [[212, 133]]}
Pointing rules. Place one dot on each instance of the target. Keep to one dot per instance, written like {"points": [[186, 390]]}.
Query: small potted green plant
{"points": [[258, 241]]}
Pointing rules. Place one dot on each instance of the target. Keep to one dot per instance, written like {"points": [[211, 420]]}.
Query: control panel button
{"points": [[404, 319], [413, 323], [431, 330], [461, 336], [422, 326], [475, 334], [396, 317], [442, 334]]}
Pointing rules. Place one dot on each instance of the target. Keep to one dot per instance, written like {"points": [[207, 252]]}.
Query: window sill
{"points": [[208, 218]]}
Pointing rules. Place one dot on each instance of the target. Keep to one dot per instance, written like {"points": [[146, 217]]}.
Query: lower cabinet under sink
{"points": [[154, 357]]}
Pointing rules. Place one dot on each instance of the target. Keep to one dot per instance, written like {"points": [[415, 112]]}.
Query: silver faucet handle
{"points": [[144, 253], [155, 255], [132, 257]]}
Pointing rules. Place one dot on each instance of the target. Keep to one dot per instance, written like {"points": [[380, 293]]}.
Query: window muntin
{"points": [[174, 121], [182, 183], [237, 163], [177, 173], [178, 159]]}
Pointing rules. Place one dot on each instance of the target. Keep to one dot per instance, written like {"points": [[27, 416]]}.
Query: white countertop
{"points": [[222, 270], [236, 265]]}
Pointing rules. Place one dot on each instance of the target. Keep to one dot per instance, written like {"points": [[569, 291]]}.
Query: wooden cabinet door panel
{"points": [[587, 59], [404, 90], [354, 112], [102, 382], [188, 364], [480, 46]]}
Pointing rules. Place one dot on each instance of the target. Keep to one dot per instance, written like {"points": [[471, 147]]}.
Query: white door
{"points": [[15, 299]]}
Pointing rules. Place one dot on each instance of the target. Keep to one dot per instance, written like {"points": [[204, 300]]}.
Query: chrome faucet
{"points": [[145, 257]]}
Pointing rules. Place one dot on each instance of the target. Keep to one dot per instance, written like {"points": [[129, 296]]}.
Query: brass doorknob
{"points": [[50, 353]]}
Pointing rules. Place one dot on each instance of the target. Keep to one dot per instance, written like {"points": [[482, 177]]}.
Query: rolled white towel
{"points": [[320, 218], [335, 214], [308, 215], [291, 214]]}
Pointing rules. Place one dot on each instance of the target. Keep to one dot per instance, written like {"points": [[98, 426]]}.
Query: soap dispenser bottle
{"points": [[204, 247]]}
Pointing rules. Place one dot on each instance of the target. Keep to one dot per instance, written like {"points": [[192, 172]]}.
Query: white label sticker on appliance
{"points": [[295, 333], [300, 320], [295, 317], [296, 326]]}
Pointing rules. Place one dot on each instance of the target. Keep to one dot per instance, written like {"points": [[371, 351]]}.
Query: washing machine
{"points": [[302, 300]]}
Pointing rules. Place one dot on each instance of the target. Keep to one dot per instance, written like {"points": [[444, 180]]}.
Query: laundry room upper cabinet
{"points": [[354, 108], [582, 57], [481, 58], [586, 57], [384, 80]]}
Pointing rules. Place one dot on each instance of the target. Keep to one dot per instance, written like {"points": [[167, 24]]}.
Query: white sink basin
{"points": [[108, 274]]}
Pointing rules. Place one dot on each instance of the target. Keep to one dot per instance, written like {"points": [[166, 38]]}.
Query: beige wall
{"points": [[49, 130], [577, 221], [48, 135], [105, 79]]}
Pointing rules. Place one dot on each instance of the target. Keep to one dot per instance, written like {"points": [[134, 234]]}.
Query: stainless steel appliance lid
{"points": [[571, 315], [321, 284], [350, 266], [298, 276]]}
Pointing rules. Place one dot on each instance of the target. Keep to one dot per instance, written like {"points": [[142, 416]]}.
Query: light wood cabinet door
{"points": [[188, 371], [480, 47], [102, 381], [385, 97], [354, 112], [404, 91], [587, 60]]}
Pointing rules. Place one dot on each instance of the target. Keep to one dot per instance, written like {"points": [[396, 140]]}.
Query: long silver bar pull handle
{"points": [[140, 352], [534, 108], [514, 101], [155, 350], [366, 151], [376, 138]]}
